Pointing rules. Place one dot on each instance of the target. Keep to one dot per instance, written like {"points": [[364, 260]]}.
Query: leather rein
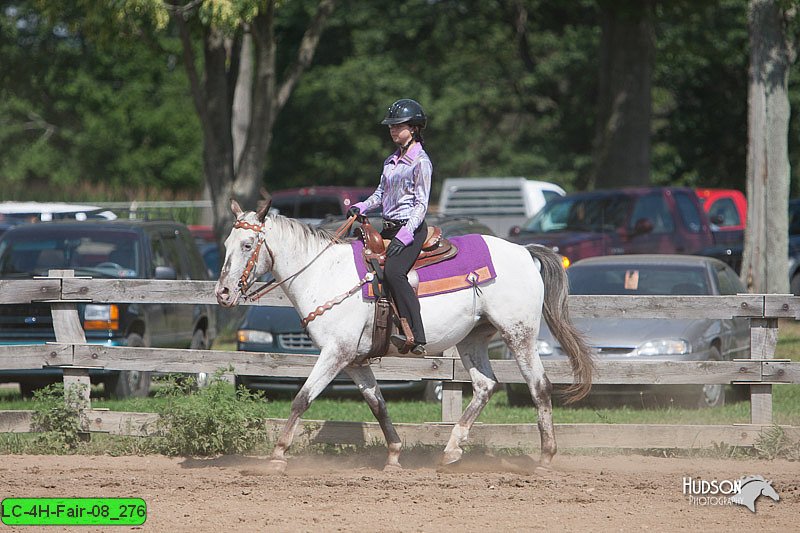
{"points": [[245, 282]]}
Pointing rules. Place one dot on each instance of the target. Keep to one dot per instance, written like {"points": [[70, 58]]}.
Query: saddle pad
{"points": [[473, 258]]}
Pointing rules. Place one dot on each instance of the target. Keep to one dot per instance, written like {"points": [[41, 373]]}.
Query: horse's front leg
{"points": [[368, 385], [328, 365]]}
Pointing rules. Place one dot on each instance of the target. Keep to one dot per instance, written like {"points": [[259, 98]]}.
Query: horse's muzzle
{"points": [[224, 296]]}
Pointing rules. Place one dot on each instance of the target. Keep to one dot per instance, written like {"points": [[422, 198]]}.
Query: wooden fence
{"points": [[63, 292]]}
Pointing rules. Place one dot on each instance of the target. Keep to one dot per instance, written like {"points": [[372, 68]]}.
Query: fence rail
{"points": [[63, 292]]}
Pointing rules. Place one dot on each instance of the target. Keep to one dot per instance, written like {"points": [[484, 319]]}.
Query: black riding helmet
{"points": [[405, 111]]}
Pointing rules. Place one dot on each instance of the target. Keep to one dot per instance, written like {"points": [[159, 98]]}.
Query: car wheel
{"points": [[433, 391], [200, 342], [712, 395], [130, 383], [794, 285], [518, 395]]}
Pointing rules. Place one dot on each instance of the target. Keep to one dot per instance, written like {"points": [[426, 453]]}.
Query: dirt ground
{"points": [[351, 493]]}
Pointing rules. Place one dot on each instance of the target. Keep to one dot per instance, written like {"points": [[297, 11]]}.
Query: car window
{"points": [[285, 206], [104, 254], [604, 213], [549, 195], [723, 213], [729, 283], [318, 206], [637, 279], [794, 218], [653, 207], [166, 253], [688, 211]]}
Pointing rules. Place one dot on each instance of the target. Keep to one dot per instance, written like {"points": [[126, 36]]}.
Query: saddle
{"points": [[435, 249]]}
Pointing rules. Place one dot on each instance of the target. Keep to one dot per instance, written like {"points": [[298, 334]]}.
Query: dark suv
{"points": [[128, 249], [647, 220]]}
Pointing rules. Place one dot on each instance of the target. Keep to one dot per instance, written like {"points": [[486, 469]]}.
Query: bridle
{"points": [[245, 282]]}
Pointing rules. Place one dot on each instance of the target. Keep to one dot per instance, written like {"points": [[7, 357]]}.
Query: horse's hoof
{"points": [[397, 467], [544, 468], [451, 457], [272, 468]]}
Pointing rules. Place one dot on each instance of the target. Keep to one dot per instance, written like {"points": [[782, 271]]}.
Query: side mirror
{"points": [[717, 219], [514, 231], [165, 272], [642, 226]]}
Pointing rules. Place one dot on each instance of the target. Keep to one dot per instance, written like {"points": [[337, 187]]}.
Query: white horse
{"points": [[529, 282]]}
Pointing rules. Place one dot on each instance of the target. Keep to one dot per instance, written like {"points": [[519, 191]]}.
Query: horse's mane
{"points": [[302, 233]]}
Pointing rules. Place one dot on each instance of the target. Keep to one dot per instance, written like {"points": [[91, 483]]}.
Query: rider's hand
{"points": [[353, 212], [395, 247]]}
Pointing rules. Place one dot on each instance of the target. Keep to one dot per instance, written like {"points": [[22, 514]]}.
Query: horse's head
{"points": [[246, 254]]}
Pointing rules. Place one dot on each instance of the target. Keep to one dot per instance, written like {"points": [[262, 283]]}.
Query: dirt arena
{"points": [[352, 493]]}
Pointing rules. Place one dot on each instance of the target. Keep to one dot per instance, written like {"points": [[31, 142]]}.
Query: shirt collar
{"points": [[409, 156]]}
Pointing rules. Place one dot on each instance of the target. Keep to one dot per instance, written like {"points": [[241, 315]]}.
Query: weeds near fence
{"points": [[56, 416], [211, 420], [773, 443]]}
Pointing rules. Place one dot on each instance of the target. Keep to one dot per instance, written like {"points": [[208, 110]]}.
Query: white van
{"points": [[500, 203]]}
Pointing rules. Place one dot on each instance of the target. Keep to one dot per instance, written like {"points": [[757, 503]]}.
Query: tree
{"points": [[212, 33], [764, 268]]}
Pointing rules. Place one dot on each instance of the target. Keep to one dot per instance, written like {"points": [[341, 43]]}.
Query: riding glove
{"points": [[395, 247], [353, 212]]}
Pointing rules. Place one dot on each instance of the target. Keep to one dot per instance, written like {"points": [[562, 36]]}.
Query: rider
{"points": [[403, 194]]}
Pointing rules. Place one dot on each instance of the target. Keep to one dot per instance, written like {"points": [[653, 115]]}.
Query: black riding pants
{"points": [[395, 272]]}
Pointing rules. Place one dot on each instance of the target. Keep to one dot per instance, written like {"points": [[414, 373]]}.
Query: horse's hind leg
{"points": [[474, 353], [524, 349], [365, 379]]}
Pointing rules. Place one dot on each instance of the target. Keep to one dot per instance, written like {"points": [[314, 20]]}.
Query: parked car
{"points": [[647, 339], [727, 212], [313, 204], [124, 249], [49, 211], [278, 329], [499, 203], [664, 220]]}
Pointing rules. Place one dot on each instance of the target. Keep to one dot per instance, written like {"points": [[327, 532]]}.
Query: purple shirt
{"points": [[404, 190]]}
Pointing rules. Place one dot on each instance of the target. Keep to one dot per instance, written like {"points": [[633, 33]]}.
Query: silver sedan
{"points": [[638, 339]]}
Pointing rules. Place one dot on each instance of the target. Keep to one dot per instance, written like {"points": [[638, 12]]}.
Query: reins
{"points": [[244, 281]]}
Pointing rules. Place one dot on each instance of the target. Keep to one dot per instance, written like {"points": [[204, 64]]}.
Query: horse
{"points": [[313, 266]]}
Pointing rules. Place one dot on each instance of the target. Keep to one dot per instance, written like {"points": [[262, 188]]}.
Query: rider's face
{"points": [[401, 133]]}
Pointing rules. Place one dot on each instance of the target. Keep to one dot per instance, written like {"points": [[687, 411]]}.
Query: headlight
{"points": [[664, 347], [254, 335], [544, 347], [565, 262], [101, 317]]}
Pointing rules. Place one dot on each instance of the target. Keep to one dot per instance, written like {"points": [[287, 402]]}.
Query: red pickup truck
{"points": [[727, 211], [665, 220]]}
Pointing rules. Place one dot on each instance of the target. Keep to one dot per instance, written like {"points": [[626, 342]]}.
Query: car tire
{"points": [[794, 284], [433, 391], [200, 342], [130, 383], [518, 395], [711, 395]]}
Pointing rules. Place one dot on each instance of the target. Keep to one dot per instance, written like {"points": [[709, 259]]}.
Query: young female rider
{"points": [[403, 193]]}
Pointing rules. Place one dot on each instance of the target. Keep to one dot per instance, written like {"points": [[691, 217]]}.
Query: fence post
{"points": [[452, 393], [68, 329], [763, 340]]}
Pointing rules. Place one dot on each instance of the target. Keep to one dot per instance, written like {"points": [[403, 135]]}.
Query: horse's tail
{"points": [[556, 313]]}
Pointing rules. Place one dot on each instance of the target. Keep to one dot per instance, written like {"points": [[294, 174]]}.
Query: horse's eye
{"points": [[247, 246]]}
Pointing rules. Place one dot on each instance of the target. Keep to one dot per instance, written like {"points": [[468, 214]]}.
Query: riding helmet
{"points": [[405, 111]]}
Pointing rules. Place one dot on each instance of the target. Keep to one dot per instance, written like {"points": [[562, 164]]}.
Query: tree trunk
{"points": [[764, 261], [622, 139]]}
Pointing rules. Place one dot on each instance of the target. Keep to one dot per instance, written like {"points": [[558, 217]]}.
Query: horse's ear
{"points": [[264, 205], [237, 210]]}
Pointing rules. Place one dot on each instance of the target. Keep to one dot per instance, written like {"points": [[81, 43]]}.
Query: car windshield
{"points": [[638, 279], [107, 254], [596, 214]]}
